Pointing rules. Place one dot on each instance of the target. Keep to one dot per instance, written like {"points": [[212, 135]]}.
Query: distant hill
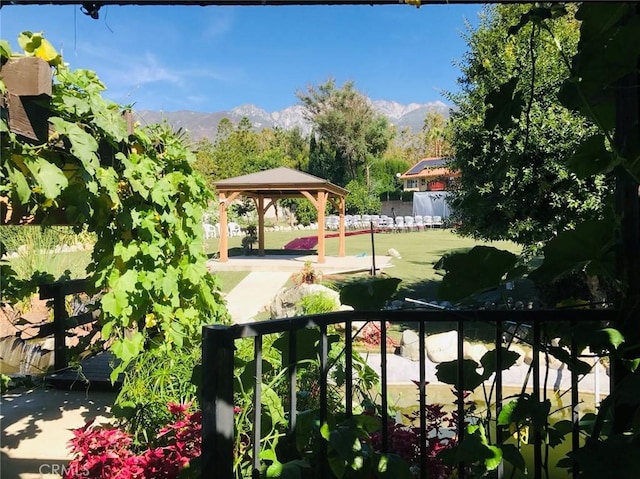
{"points": [[204, 125]]}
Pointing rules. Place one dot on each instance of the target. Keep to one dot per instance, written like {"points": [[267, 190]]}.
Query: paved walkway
{"points": [[254, 293], [37, 425], [268, 274]]}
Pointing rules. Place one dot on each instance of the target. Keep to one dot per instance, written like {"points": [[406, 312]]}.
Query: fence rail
{"points": [[61, 320], [218, 379]]}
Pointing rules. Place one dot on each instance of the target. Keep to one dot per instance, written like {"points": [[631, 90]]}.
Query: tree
{"points": [[514, 182], [436, 134], [350, 134]]}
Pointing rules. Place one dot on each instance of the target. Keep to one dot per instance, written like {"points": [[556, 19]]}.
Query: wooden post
{"points": [[29, 83], [261, 212], [224, 230], [322, 205], [217, 403]]}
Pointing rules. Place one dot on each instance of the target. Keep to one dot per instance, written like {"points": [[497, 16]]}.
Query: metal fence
{"points": [[505, 326]]}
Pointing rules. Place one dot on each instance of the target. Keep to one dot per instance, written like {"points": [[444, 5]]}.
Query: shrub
{"points": [[106, 453], [316, 303], [308, 275], [153, 380]]}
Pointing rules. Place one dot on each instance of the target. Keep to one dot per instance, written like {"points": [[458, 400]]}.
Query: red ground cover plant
{"points": [[106, 453]]}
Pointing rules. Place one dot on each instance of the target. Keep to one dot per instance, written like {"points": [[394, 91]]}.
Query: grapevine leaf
{"points": [[50, 178], [447, 373], [592, 158], [489, 361], [83, 145], [19, 182], [513, 456], [5, 49]]}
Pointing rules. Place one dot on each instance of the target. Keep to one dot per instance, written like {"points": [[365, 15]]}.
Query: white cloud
{"points": [[149, 70]]}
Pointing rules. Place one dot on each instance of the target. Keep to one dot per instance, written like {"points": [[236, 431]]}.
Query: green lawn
{"points": [[418, 250]]}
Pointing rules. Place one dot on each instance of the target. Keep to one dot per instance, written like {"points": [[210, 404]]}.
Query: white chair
{"points": [[209, 231], [234, 229], [385, 223], [428, 221], [437, 221], [409, 224], [332, 222], [400, 226], [418, 223]]}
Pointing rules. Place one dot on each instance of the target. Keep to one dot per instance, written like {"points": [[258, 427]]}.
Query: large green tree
{"points": [[515, 182], [351, 135], [240, 150]]}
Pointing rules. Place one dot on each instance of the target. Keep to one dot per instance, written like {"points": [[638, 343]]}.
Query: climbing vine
{"points": [[136, 189]]}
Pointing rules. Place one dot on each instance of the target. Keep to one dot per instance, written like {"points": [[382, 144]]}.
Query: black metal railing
{"points": [[218, 378]]}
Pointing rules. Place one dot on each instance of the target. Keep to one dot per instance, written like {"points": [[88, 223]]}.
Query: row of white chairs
{"points": [[385, 222], [213, 231]]}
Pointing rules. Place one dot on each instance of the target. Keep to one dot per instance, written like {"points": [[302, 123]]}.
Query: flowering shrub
{"points": [[405, 440], [106, 453], [370, 334]]}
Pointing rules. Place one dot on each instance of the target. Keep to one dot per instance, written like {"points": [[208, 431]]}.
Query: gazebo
{"points": [[275, 184]]}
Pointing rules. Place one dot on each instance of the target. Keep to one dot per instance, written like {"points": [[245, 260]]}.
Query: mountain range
{"points": [[204, 125]]}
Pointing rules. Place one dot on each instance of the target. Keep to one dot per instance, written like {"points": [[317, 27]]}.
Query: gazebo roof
{"points": [[278, 182]]}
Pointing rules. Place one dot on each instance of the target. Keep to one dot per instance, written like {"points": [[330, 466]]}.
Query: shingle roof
{"points": [[280, 181]]}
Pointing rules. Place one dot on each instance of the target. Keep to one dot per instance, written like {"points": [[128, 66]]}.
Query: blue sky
{"points": [[216, 58]]}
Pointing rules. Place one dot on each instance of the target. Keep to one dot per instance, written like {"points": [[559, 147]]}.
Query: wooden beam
{"points": [[26, 104], [27, 76]]}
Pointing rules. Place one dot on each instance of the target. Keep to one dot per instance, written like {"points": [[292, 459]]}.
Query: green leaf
{"points": [[50, 178], [503, 105], [19, 182], [126, 349], [447, 373], [481, 268], [5, 49], [391, 466], [524, 410], [370, 294], [273, 404], [297, 469], [561, 354], [490, 359], [592, 158], [513, 456], [275, 469], [307, 345], [83, 145], [473, 449], [590, 245]]}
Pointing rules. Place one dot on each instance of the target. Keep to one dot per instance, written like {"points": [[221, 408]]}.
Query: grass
{"points": [[34, 249], [419, 251]]}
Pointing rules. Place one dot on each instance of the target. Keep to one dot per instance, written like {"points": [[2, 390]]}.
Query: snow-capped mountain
{"points": [[204, 125]]}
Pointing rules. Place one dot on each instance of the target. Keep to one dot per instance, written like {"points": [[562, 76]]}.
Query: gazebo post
{"points": [[261, 226], [322, 206], [224, 229], [278, 183]]}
